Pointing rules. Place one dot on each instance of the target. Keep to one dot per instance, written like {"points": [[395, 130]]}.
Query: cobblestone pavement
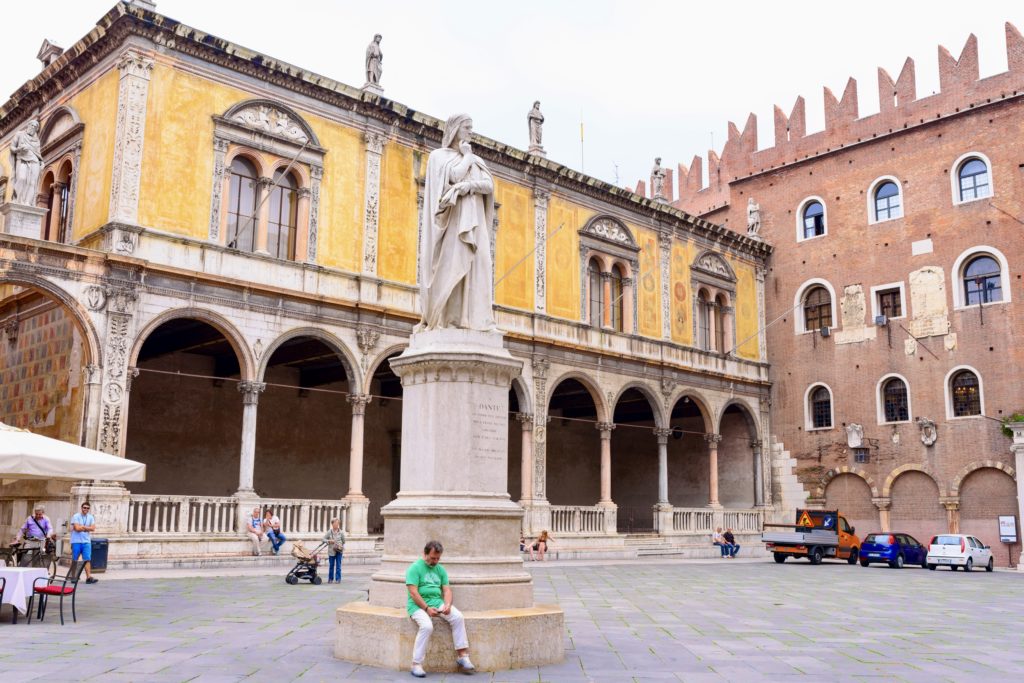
{"points": [[637, 621]]}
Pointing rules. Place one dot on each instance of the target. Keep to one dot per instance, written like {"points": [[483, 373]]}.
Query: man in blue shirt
{"points": [[431, 596], [81, 541]]}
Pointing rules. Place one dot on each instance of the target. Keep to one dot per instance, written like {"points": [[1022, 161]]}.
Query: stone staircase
{"points": [[787, 491]]}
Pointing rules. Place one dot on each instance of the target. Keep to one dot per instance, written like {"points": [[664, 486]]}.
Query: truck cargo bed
{"points": [[812, 537]]}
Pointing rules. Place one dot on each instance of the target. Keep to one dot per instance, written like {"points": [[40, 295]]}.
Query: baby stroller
{"points": [[306, 562]]}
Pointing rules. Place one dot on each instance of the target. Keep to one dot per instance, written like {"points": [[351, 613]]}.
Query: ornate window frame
{"points": [[799, 321], [270, 134], [712, 272], [60, 143], [608, 240], [947, 389]]}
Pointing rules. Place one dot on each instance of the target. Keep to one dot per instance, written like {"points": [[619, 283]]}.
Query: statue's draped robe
{"points": [[456, 290], [27, 164], [373, 67]]}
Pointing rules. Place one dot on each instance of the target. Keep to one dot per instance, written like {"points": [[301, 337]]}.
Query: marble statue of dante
{"points": [[753, 217], [458, 213], [536, 121], [658, 179], [374, 57], [27, 163]]}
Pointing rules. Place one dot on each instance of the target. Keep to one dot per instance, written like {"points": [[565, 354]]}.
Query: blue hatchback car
{"points": [[894, 549]]}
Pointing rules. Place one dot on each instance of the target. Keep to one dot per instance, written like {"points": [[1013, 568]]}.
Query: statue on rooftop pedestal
{"points": [[26, 163], [536, 122], [753, 218], [458, 213], [658, 181], [374, 59]]}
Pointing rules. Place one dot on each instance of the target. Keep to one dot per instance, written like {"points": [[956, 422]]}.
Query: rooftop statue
{"points": [[536, 122], [374, 58], [27, 163]]}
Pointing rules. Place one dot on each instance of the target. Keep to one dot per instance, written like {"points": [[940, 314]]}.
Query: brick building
{"points": [[893, 293]]}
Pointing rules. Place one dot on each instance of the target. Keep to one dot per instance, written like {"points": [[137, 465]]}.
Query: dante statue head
{"points": [[458, 128]]}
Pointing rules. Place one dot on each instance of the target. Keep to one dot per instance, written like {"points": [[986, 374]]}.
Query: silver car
{"points": [[959, 550]]}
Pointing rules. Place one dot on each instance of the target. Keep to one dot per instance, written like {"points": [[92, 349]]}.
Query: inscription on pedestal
{"points": [[490, 431]]}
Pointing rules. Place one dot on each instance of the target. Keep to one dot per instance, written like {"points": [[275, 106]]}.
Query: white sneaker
{"points": [[418, 671], [465, 665]]}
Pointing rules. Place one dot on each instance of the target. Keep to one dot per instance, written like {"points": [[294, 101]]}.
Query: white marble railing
{"points": [[206, 515], [693, 520], [579, 519], [744, 521]]}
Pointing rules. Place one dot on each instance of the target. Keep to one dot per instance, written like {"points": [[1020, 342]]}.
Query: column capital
{"points": [[251, 392], [950, 504], [605, 428], [882, 503], [133, 372], [526, 419], [756, 444], [663, 433], [265, 183], [359, 402], [712, 440]]}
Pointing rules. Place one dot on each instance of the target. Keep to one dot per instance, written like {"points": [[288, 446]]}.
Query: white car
{"points": [[959, 550]]}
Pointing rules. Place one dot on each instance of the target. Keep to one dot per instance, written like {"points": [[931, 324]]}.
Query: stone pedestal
{"points": [[373, 89], [537, 150], [454, 489], [1017, 448], [109, 500], [23, 220]]}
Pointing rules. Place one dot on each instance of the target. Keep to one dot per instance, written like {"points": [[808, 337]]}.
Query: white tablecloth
{"points": [[19, 584]]}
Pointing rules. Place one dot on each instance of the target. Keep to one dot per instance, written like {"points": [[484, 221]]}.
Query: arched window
{"points": [[973, 180], [894, 400], [283, 220], [241, 228], [719, 311], [821, 408], [887, 201], [703, 320], [596, 293], [982, 280], [616, 302], [965, 392], [813, 219], [817, 309]]}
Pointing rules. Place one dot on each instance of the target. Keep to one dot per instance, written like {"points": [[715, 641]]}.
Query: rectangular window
{"points": [[861, 455], [890, 303]]}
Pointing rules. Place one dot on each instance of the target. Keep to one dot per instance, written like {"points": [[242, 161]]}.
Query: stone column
{"points": [[606, 461], [663, 509], [263, 188], [540, 239], [358, 503], [755, 446], [129, 135], [302, 224], [526, 459], [538, 515], [52, 231], [120, 305], [92, 377], [883, 511], [665, 261], [371, 200], [250, 400], [606, 300], [712, 441], [952, 506], [1018, 453]]}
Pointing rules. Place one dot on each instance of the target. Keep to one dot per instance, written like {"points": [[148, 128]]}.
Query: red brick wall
{"points": [[915, 508], [984, 495], [851, 495]]}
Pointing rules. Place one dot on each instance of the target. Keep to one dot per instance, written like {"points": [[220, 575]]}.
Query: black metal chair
{"points": [[61, 587]]}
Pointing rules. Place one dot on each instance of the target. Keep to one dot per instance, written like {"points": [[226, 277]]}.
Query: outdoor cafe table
{"points": [[19, 586]]}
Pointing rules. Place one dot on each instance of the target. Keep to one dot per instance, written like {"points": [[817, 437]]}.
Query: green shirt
{"points": [[429, 581]]}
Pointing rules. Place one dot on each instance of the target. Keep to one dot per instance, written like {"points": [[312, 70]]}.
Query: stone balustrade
{"points": [[210, 515], [744, 521], [693, 520], [582, 519]]}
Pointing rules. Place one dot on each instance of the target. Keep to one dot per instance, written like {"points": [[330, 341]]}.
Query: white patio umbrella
{"points": [[24, 455]]}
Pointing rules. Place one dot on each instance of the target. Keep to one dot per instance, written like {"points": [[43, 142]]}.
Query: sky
{"points": [[648, 79]]}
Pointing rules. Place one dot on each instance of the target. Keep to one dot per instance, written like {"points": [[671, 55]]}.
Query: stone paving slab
{"points": [[648, 620]]}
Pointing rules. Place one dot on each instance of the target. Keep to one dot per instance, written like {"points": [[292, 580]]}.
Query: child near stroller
{"points": [[306, 562]]}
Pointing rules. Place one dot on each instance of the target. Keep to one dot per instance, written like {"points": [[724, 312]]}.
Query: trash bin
{"points": [[99, 554]]}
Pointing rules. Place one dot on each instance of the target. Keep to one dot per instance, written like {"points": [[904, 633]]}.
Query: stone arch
{"points": [[852, 493], [649, 393], [523, 395], [912, 467], [609, 229], [371, 368], [603, 412], [257, 160], [701, 401], [835, 472], [59, 124], [958, 480], [237, 114], [712, 263], [748, 412], [216, 320], [985, 493], [79, 314], [333, 342]]}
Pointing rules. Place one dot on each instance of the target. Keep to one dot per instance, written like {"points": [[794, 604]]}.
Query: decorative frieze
{"points": [[540, 236], [120, 302], [220, 150], [665, 255], [129, 136], [371, 204], [541, 366], [316, 174]]}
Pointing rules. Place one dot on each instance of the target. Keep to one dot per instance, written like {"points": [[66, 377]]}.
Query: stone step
{"points": [[284, 561]]}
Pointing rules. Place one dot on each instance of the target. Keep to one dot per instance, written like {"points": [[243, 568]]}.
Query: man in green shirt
{"points": [[431, 596]]}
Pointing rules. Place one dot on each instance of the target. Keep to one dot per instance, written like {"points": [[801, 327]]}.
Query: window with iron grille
{"points": [[894, 397], [861, 455], [966, 392], [821, 408], [890, 303]]}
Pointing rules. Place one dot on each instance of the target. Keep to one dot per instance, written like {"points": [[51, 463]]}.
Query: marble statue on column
{"points": [[374, 59], [458, 212], [658, 181], [536, 122], [26, 163], [753, 218]]}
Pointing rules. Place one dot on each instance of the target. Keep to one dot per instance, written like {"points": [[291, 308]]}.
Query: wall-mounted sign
{"points": [[1008, 528]]}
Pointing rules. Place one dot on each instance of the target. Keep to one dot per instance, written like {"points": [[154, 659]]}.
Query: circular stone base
{"points": [[498, 639]]}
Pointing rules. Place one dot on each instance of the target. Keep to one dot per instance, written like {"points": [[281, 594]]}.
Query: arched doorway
{"points": [[304, 424], [986, 494], [634, 463], [915, 507], [573, 446], [688, 474], [185, 411], [737, 469], [382, 445], [851, 495]]}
